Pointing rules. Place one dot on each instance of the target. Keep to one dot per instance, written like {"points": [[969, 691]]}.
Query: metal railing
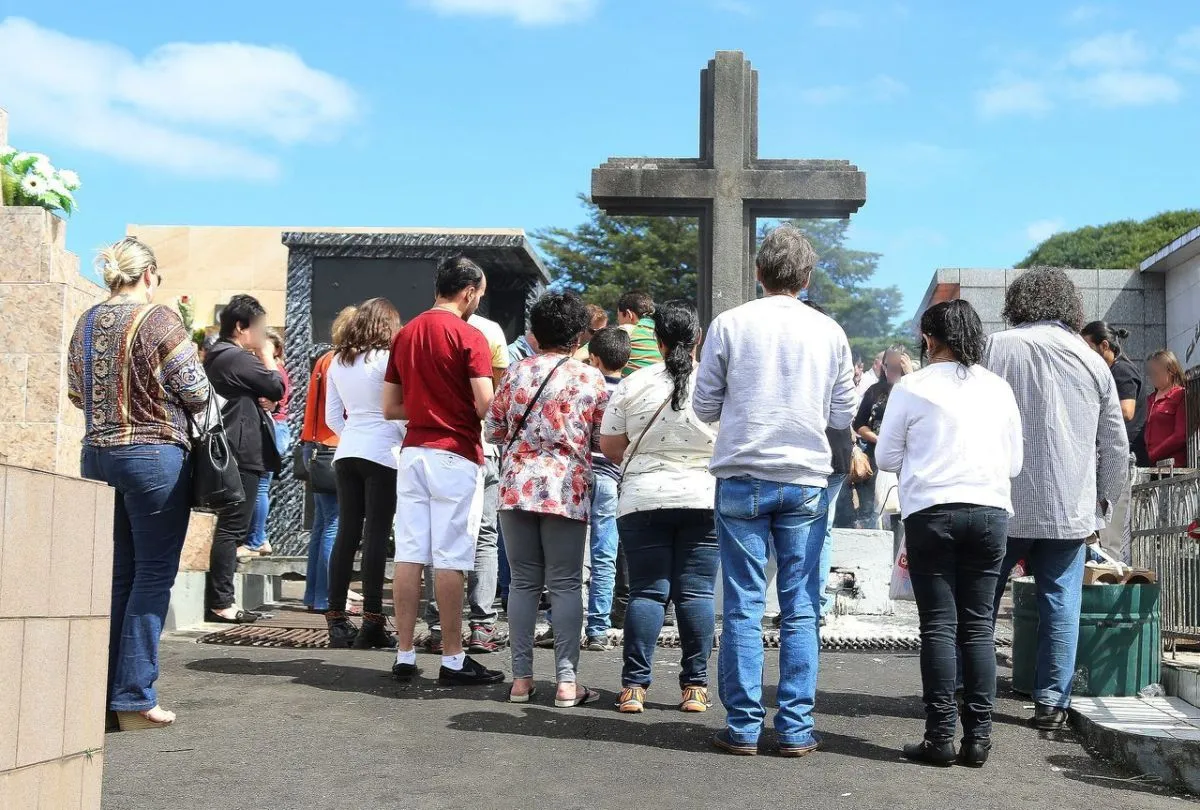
{"points": [[1161, 510]]}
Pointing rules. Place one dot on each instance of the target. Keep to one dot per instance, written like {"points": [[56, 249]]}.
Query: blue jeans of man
{"points": [[320, 546], [153, 484], [262, 504], [752, 516], [836, 481], [1057, 569], [604, 543], [672, 555]]}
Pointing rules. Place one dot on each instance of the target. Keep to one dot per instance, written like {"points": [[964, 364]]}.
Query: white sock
{"points": [[454, 662], [406, 656]]}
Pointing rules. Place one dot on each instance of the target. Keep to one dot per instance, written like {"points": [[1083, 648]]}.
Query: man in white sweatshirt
{"points": [[775, 373]]}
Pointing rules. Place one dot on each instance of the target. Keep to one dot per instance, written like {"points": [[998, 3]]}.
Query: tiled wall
{"points": [[42, 296], [55, 590], [1183, 311], [1125, 298]]}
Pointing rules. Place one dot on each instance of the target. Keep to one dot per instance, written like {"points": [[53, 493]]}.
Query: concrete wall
{"points": [[1126, 298], [55, 590], [1183, 311]]}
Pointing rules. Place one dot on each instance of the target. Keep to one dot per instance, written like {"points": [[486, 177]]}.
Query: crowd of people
{"points": [[646, 457]]}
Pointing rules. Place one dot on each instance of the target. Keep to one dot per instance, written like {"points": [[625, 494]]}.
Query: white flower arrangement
{"points": [[29, 178]]}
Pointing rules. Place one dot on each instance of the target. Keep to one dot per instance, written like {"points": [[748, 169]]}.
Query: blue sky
{"points": [[981, 127]]}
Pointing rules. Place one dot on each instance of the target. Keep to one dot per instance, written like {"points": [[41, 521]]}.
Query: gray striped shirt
{"points": [[1076, 448]]}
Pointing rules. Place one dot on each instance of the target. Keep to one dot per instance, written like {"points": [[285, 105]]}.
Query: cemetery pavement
{"points": [[317, 729]]}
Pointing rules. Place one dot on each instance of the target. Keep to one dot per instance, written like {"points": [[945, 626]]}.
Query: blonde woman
{"points": [[133, 370]]}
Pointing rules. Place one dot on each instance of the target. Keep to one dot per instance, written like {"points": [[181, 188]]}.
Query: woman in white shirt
{"points": [[953, 432], [365, 467], [665, 509]]}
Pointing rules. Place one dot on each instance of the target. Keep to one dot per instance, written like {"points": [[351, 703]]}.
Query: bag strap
{"points": [[532, 401], [638, 441]]}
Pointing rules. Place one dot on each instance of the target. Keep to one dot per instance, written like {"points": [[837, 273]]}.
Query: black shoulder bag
{"points": [[216, 480], [532, 401]]}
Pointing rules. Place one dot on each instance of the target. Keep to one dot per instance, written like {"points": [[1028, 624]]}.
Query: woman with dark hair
{"points": [[896, 364], [953, 433], [1105, 341], [1166, 422], [665, 510], [365, 469], [546, 420]]}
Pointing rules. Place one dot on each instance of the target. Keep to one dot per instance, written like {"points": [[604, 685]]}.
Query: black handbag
{"points": [[320, 469], [216, 480]]}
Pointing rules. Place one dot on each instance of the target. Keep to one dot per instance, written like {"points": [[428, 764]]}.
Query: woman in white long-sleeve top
{"points": [[953, 433], [365, 467]]}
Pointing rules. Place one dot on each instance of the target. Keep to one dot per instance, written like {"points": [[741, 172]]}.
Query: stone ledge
{"points": [[1155, 736]]}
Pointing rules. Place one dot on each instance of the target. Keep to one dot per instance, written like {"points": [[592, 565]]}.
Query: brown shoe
{"points": [[723, 741], [695, 699]]}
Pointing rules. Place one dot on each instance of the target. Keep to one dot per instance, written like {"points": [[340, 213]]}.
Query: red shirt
{"points": [[434, 358], [1166, 427]]}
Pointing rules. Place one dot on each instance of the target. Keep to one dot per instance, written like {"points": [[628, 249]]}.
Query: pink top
{"points": [[548, 469]]}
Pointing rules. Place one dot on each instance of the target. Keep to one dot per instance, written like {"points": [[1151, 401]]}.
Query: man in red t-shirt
{"points": [[439, 378]]}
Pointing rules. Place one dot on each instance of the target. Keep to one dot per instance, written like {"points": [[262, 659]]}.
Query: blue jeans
{"points": [[262, 505], [604, 554], [672, 555], [320, 545], [1057, 569], [751, 516], [152, 506], [836, 481]]}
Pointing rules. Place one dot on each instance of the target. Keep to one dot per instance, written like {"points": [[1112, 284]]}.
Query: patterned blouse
{"points": [[144, 370], [548, 469]]}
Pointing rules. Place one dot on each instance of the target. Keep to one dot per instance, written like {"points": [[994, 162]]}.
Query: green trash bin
{"points": [[1120, 639]]}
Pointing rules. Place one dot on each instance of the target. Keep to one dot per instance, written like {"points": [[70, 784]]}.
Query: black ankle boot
{"points": [[342, 632], [939, 754], [974, 753], [374, 635]]}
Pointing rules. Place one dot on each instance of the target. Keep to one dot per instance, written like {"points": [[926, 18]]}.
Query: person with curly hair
{"points": [[1076, 458], [953, 433]]}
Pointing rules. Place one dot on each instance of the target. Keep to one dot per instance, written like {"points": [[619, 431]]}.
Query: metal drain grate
{"points": [[252, 635]]}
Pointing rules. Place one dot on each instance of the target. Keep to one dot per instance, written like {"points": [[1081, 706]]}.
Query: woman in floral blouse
{"points": [[546, 420]]}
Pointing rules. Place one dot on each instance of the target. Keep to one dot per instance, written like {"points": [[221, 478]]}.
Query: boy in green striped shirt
{"points": [[633, 314]]}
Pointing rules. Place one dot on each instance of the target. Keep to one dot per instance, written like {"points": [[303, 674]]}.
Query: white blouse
{"points": [[354, 411], [670, 468]]}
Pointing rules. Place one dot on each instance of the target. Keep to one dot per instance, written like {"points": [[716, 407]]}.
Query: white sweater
{"points": [[954, 435], [354, 411]]}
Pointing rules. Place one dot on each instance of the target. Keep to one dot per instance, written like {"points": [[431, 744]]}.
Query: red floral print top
{"points": [[548, 468]]}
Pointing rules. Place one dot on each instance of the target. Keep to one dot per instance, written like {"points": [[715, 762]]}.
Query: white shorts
{"points": [[439, 505]]}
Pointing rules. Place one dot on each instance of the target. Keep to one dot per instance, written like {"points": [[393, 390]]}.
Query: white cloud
{"points": [[1014, 97], [1128, 88], [837, 18], [1187, 50], [1043, 229], [523, 12], [188, 108], [1109, 51], [879, 88], [1081, 15]]}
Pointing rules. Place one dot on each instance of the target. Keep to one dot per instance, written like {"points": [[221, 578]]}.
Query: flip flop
{"points": [[580, 699], [525, 698]]}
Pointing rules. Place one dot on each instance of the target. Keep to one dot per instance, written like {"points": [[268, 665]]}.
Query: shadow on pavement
{"points": [[1082, 768]]}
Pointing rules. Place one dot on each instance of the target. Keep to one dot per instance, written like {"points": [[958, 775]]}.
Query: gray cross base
{"points": [[728, 187]]}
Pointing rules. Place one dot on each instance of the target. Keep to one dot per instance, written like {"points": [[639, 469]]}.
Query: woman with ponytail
{"points": [[953, 433], [1105, 341], [665, 510]]}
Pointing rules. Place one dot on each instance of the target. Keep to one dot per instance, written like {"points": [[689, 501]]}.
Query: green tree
{"points": [[606, 256], [1117, 245]]}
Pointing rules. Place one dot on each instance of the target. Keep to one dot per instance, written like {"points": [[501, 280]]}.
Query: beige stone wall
{"points": [[212, 264], [42, 296], [55, 592]]}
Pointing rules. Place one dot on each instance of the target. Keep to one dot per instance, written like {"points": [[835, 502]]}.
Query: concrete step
{"points": [[1156, 736]]}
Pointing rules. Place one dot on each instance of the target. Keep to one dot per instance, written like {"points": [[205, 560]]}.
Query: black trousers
{"points": [[233, 524], [954, 557], [366, 509]]}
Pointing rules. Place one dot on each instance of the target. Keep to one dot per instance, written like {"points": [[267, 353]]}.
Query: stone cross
{"points": [[728, 187]]}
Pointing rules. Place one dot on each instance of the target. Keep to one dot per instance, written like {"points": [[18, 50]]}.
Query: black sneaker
{"points": [[723, 741], [939, 754], [433, 644], [596, 644], [545, 639], [374, 635], [473, 673], [404, 672], [342, 633], [974, 753], [1048, 718], [484, 639]]}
